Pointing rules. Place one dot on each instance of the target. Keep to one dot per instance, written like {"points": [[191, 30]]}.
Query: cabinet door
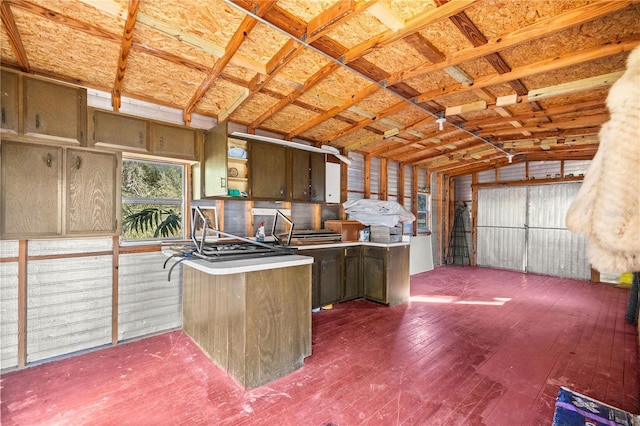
{"points": [[31, 190], [374, 273], [352, 273], [326, 276], [54, 111], [301, 175], [120, 131], [268, 171], [91, 192], [317, 177], [9, 102], [173, 141], [214, 162]]}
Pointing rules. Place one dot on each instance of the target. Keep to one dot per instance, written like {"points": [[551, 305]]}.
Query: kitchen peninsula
{"points": [[252, 317]]}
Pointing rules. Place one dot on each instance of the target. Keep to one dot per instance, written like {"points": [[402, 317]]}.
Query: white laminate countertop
{"points": [[404, 242], [229, 267]]}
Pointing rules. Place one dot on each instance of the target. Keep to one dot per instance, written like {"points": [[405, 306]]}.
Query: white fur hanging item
{"points": [[607, 207]]}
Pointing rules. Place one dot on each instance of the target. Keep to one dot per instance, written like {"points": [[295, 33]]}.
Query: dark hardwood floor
{"points": [[473, 347]]}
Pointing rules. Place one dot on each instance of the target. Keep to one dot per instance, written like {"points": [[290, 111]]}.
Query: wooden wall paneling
{"points": [[367, 177], [414, 193]]}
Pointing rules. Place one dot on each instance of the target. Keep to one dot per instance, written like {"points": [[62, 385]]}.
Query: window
{"points": [[152, 200], [423, 219]]}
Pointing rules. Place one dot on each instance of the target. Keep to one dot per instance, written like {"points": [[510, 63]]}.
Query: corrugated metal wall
{"points": [[501, 227], [374, 173], [147, 302], [523, 228], [551, 248], [513, 172], [8, 305], [69, 300], [392, 180], [488, 176], [355, 177], [544, 169]]}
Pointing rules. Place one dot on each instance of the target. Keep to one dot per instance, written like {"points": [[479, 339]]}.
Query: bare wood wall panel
{"points": [[68, 305], [147, 302], [9, 305]]}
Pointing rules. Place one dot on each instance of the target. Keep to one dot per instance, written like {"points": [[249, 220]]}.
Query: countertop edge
{"points": [[248, 265]]}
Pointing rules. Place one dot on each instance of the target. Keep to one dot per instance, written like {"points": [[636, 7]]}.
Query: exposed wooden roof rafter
{"points": [[14, 36], [127, 38]]}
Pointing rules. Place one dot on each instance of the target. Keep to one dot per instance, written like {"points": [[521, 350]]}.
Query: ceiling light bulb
{"points": [[441, 121]]}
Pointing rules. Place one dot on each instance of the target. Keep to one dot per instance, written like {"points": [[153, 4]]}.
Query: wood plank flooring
{"points": [[475, 346]]}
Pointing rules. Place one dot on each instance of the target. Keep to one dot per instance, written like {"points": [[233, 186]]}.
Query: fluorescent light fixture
{"points": [[325, 149]]}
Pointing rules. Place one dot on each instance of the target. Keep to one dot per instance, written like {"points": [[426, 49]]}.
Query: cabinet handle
{"points": [[4, 117], [141, 139], [161, 141], [49, 160], [37, 121], [223, 182], [78, 162]]}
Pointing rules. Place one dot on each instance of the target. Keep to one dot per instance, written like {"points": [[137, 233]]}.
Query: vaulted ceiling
{"points": [[456, 85]]}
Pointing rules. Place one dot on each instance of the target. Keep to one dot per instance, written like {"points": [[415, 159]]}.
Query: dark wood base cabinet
{"points": [[255, 325], [385, 274], [377, 273]]}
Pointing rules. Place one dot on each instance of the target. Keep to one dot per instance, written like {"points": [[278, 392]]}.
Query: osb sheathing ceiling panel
{"points": [[462, 98], [252, 108], [432, 81], [577, 72], [405, 10], [496, 18], [320, 100], [325, 128], [8, 55], [387, 57], [262, 43], [445, 37], [305, 10], [237, 72], [340, 84], [145, 36], [288, 119], [408, 116], [281, 86], [88, 59], [576, 98], [303, 66], [623, 25], [357, 30], [211, 20], [355, 137], [88, 13], [220, 96], [378, 102], [163, 81]]}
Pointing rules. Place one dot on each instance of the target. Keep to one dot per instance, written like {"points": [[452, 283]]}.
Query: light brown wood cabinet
{"points": [[92, 199], [31, 190], [173, 141], [54, 111], [113, 130], [9, 102], [52, 191], [214, 163]]}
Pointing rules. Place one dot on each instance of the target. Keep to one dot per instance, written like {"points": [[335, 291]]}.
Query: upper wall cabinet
{"points": [[214, 163], [92, 199], [54, 111], [173, 141], [268, 171], [31, 190], [308, 176], [113, 130], [9, 101], [52, 191]]}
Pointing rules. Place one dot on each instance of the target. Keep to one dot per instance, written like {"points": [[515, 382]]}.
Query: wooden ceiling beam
{"points": [[532, 32], [14, 36], [541, 67], [413, 25], [246, 26], [125, 47], [312, 81]]}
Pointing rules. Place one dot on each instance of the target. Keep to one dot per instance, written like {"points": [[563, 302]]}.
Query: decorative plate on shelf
{"points": [[232, 172]]}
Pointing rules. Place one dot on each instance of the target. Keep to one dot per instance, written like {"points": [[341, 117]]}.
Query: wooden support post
{"points": [[22, 302], [114, 290], [414, 195], [367, 177], [384, 180], [474, 218]]}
